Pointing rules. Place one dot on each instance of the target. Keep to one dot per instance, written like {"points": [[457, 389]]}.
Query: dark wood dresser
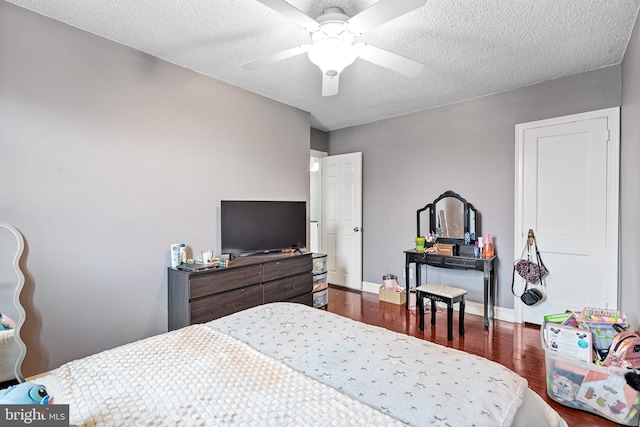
{"points": [[198, 297]]}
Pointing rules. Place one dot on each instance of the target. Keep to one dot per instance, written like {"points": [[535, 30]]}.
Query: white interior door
{"points": [[342, 218], [567, 192]]}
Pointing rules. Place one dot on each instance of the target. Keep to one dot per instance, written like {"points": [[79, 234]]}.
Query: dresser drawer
{"points": [[215, 306], [221, 281], [306, 299], [290, 287], [287, 267]]}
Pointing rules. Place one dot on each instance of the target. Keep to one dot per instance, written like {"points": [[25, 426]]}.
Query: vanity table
{"points": [[453, 262], [455, 221]]}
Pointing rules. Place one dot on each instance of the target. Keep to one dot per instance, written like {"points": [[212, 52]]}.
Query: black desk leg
{"points": [[420, 308], [406, 282], [487, 284]]}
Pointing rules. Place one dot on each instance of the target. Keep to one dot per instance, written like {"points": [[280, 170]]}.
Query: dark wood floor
{"points": [[512, 345]]}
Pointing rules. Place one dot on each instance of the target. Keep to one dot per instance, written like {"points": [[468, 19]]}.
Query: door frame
{"points": [[317, 201], [612, 264]]}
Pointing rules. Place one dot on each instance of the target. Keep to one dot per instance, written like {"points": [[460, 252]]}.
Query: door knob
{"points": [[356, 229]]}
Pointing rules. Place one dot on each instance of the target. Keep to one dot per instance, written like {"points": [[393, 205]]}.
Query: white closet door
{"points": [[567, 192]]}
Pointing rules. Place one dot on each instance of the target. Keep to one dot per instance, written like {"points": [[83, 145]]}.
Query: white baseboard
{"points": [[471, 307]]}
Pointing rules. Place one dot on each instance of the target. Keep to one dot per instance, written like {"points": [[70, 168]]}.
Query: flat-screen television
{"points": [[249, 227]]}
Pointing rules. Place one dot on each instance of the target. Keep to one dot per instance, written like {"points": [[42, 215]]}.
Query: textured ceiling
{"points": [[469, 48]]}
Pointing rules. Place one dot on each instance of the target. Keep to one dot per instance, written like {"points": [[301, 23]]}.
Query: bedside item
{"points": [[444, 249], [487, 249], [207, 256], [196, 266], [175, 255], [182, 254]]}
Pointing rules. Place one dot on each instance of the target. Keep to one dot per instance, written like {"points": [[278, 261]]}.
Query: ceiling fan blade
{"points": [[290, 12], [390, 60], [381, 12], [330, 84], [271, 59]]}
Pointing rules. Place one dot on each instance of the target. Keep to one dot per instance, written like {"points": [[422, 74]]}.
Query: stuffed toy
{"points": [[26, 394], [6, 322]]}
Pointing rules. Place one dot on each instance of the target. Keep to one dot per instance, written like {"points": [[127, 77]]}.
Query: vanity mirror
{"points": [[450, 217], [12, 348]]}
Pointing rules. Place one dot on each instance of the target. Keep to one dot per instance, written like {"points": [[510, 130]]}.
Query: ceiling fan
{"points": [[333, 46]]}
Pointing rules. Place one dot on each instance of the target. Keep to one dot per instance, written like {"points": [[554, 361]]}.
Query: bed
{"points": [[9, 353], [289, 364]]}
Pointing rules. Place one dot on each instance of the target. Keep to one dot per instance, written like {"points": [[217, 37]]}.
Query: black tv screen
{"points": [[262, 226]]}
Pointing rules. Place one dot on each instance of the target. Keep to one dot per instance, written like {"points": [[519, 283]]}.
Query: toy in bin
{"points": [[602, 315], [604, 325]]}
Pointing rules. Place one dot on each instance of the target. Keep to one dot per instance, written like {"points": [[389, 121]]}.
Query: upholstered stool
{"points": [[443, 293]]}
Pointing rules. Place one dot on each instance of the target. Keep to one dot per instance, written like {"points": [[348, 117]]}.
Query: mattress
{"points": [[289, 364]]}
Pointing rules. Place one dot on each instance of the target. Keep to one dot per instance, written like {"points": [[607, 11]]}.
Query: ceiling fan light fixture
{"points": [[332, 29], [332, 55]]}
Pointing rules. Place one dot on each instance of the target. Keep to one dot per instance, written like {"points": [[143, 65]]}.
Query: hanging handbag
{"points": [[531, 296], [531, 272]]}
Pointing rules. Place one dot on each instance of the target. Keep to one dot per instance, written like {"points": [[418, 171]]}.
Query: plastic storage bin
{"points": [[319, 263], [592, 388], [320, 282], [321, 298]]}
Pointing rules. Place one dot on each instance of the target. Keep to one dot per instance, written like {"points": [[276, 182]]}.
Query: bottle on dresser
{"points": [[487, 250], [183, 254]]}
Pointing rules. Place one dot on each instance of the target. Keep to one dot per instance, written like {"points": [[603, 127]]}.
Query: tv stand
{"points": [[201, 296]]}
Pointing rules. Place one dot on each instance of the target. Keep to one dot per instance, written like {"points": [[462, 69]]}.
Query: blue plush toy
{"points": [[26, 394]]}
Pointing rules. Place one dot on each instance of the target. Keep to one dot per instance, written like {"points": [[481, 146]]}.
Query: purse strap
{"points": [[539, 259], [513, 279]]}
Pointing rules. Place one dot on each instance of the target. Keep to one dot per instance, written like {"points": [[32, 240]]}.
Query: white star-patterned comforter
{"points": [[412, 380]]}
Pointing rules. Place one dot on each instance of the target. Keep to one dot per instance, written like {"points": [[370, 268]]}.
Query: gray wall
{"points": [[319, 140], [468, 147], [107, 156], [630, 178]]}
